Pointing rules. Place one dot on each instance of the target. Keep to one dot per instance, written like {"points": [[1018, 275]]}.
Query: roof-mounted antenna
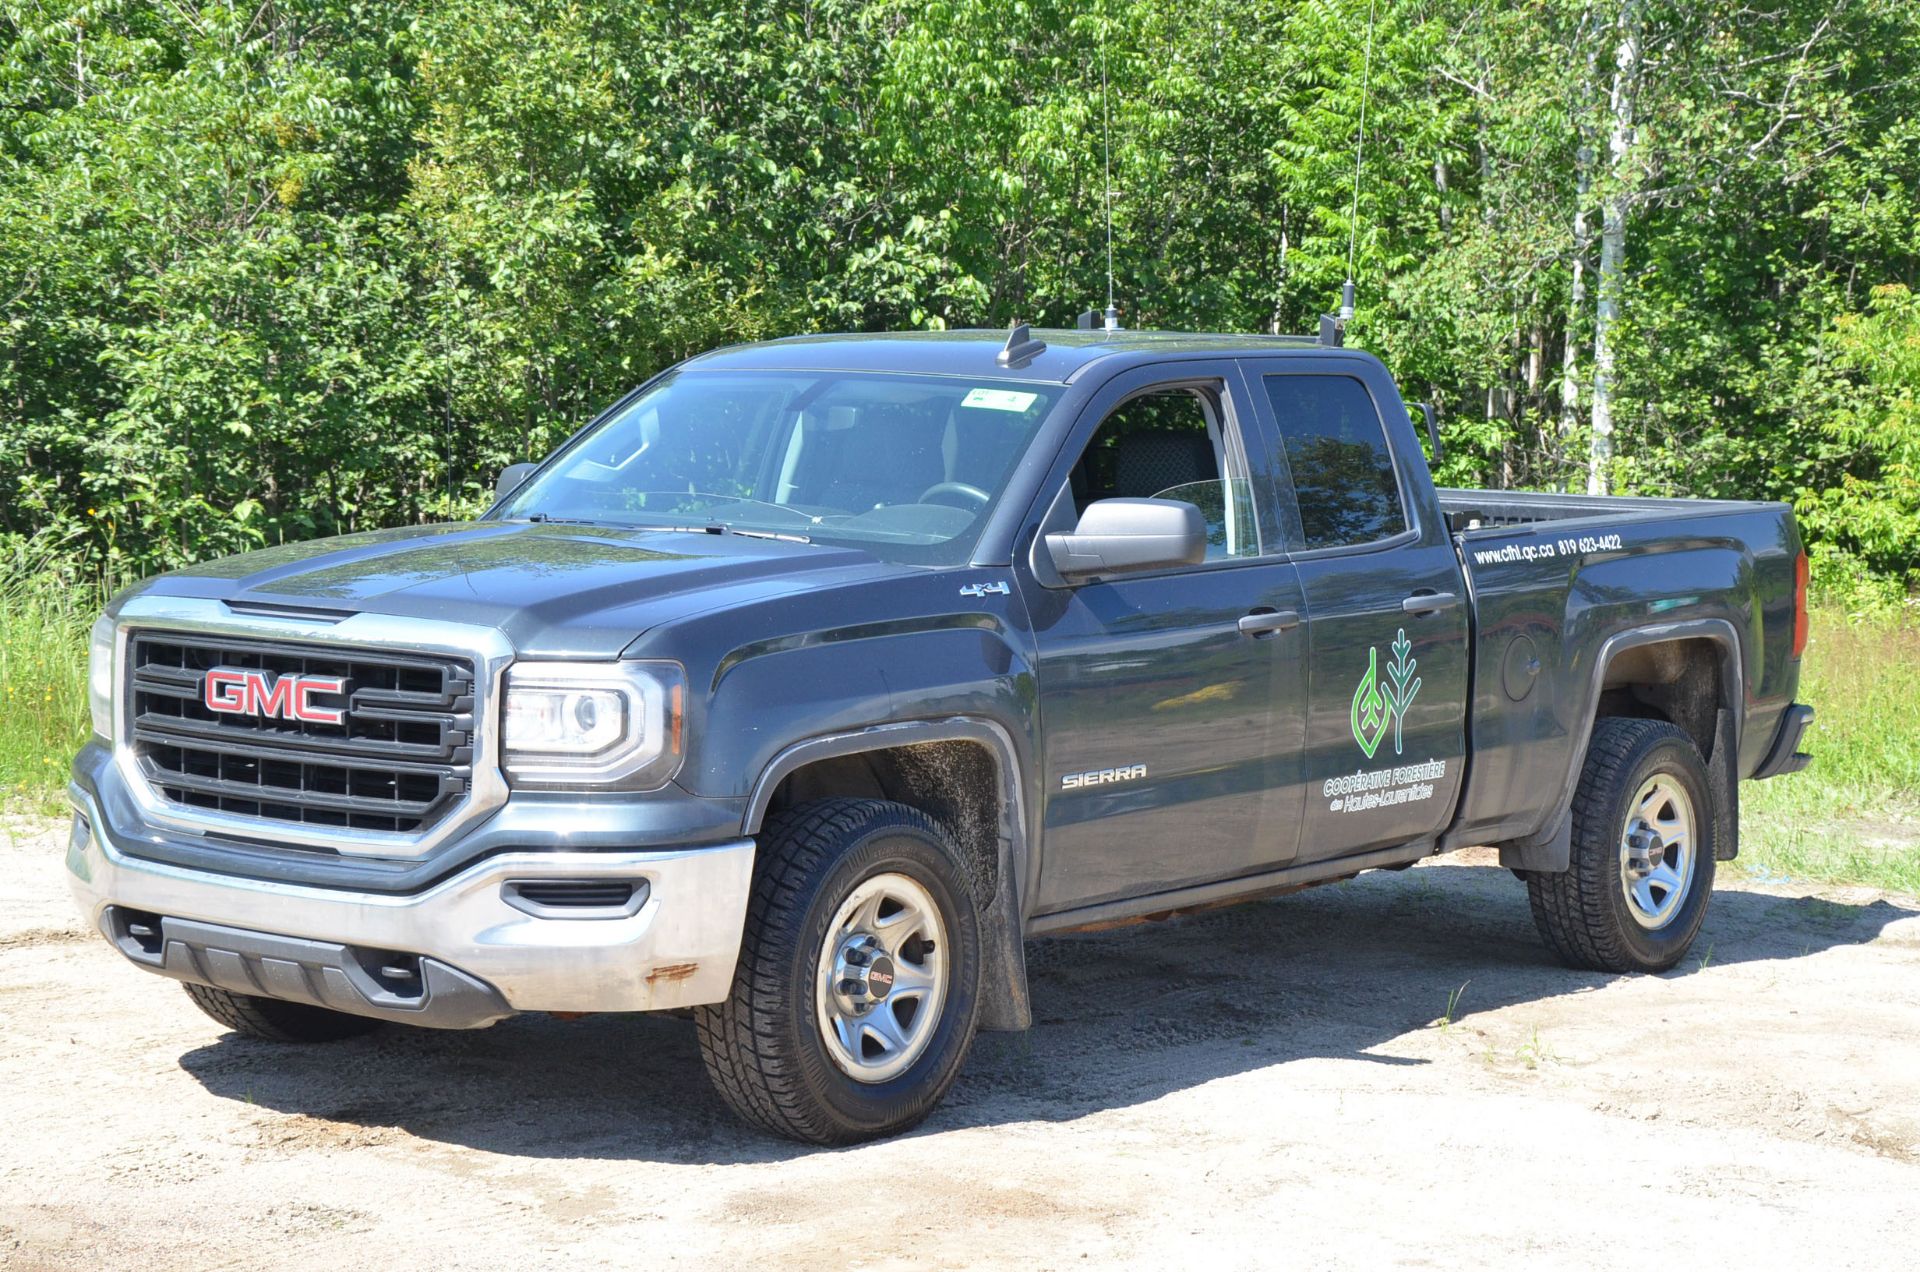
{"points": [[1021, 348], [1112, 316], [1333, 327]]}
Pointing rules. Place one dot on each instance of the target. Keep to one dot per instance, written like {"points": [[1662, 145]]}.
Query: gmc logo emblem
{"points": [[243, 691]]}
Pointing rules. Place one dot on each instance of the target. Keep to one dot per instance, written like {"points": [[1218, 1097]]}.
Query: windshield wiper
{"points": [[806, 518], [763, 534], [704, 527], [721, 527], [708, 527]]}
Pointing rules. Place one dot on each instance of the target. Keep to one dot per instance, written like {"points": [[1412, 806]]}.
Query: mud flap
{"points": [[1005, 1004], [1723, 770], [1549, 852]]}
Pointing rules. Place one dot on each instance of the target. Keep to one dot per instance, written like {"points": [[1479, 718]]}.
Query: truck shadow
{"points": [[1120, 1018]]}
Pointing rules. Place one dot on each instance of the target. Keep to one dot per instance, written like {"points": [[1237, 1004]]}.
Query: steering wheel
{"points": [[978, 497]]}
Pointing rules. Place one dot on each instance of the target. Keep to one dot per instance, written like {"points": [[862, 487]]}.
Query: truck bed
{"points": [[1556, 579]]}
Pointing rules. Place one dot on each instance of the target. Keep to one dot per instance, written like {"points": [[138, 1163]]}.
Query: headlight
{"points": [[571, 724], [100, 650]]}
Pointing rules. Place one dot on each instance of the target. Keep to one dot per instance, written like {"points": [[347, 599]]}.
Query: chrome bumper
{"points": [[676, 950]]}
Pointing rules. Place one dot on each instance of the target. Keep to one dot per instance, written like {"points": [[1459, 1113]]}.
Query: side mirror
{"points": [[511, 478], [1127, 536]]}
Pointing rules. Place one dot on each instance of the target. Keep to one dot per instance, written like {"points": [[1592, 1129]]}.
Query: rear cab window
{"points": [[1345, 486]]}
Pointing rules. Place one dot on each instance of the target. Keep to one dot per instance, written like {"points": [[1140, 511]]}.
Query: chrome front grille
{"points": [[399, 762]]}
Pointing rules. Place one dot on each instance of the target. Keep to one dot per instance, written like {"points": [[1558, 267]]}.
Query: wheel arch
{"points": [[1682, 679], [965, 773], [1689, 673]]}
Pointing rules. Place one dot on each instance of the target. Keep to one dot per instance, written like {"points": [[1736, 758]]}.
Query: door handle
{"points": [[1429, 602], [1267, 622]]}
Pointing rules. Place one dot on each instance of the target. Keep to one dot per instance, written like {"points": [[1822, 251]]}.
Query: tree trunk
{"points": [[1577, 295], [1585, 92], [1576, 305], [1613, 243], [1536, 362], [1534, 409], [1274, 324]]}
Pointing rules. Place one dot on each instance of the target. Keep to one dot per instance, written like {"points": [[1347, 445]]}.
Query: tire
{"points": [[1632, 898], [821, 868], [274, 1020]]}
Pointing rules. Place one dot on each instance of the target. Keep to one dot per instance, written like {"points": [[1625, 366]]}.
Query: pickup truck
{"points": [[800, 687]]}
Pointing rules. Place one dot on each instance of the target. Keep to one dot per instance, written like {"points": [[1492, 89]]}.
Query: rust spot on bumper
{"points": [[671, 972]]}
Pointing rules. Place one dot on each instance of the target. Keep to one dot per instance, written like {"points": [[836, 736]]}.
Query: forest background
{"points": [[276, 270]]}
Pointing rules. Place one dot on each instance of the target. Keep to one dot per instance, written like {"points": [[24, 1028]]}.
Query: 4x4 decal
{"points": [[1376, 706]]}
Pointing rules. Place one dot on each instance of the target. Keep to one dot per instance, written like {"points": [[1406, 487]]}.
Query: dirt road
{"points": [[1261, 1086]]}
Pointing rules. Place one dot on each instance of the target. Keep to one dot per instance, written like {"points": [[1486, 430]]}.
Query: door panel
{"points": [[1155, 672], [1172, 738], [1386, 730], [1386, 616]]}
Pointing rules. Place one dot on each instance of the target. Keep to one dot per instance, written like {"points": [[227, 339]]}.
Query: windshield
{"points": [[906, 467]]}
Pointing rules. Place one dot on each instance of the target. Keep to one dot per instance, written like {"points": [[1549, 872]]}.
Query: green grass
{"points": [[1853, 815], [43, 681]]}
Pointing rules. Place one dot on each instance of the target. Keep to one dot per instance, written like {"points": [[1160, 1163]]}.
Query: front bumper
{"points": [[477, 948]]}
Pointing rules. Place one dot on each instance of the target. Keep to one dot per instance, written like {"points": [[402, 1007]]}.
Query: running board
{"points": [[1206, 896]]}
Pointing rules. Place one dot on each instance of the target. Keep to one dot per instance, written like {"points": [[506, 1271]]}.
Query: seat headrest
{"points": [[1144, 464]]}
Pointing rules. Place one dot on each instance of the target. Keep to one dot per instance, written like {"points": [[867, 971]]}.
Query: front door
{"points": [[1386, 615], [1173, 728]]}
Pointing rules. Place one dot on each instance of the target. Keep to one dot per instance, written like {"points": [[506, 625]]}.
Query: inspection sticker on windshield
{"points": [[999, 400]]}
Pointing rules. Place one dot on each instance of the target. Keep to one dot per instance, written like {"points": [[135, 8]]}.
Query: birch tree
{"points": [[1615, 204], [1586, 60]]}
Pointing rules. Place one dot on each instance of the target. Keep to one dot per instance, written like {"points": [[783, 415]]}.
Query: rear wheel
{"points": [[275, 1020], [1636, 890], [856, 993]]}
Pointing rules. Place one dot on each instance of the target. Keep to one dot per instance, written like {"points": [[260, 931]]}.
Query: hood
{"points": [[556, 590]]}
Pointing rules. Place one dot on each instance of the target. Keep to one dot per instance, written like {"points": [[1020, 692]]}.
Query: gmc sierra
{"points": [[814, 675]]}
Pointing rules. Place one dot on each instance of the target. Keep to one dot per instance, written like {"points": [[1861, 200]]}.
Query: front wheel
{"points": [[855, 997], [1635, 892]]}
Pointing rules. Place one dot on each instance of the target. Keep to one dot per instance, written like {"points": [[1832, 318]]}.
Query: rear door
{"points": [[1172, 729], [1386, 608]]}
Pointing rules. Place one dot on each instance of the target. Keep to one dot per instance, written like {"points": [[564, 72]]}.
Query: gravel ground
{"points": [[1265, 1085]]}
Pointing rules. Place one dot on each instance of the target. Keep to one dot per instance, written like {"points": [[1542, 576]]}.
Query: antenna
{"points": [[1106, 133], [1359, 146], [1021, 348], [1333, 326]]}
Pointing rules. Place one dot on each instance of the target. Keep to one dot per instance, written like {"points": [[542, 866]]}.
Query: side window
{"points": [[1171, 444], [1343, 478]]}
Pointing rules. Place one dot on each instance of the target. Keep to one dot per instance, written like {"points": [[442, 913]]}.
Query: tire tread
{"points": [[1573, 908], [741, 1038]]}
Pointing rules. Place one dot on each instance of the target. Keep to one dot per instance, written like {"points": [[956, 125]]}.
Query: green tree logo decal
{"points": [[1377, 705]]}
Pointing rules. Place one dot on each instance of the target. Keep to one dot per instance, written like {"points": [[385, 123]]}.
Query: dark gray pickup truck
{"points": [[812, 677]]}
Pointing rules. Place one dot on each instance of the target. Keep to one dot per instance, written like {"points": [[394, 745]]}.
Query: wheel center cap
{"points": [[879, 977], [1643, 849], [863, 974]]}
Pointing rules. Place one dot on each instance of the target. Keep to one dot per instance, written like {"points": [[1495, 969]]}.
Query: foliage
{"points": [[1874, 511], [1853, 816], [44, 616], [296, 267]]}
